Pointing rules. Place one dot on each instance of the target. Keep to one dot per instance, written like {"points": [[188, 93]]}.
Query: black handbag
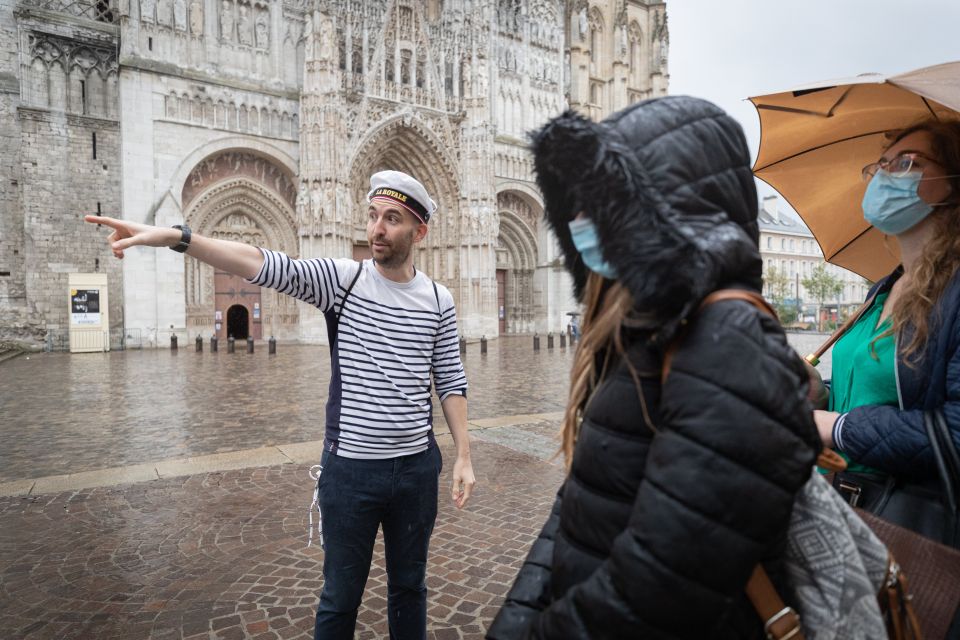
{"points": [[931, 509]]}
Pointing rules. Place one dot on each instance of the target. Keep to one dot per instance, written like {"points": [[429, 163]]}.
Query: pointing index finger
{"points": [[110, 222]]}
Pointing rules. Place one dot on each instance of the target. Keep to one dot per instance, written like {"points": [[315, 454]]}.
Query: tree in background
{"points": [[823, 286], [777, 284]]}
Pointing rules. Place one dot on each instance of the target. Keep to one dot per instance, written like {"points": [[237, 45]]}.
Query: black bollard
{"points": [[249, 344], [199, 343], [536, 342], [463, 344], [550, 340], [563, 341], [272, 346], [213, 343], [230, 344], [173, 342], [483, 344]]}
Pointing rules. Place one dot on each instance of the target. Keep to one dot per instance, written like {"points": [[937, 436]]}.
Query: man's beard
{"points": [[396, 253]]}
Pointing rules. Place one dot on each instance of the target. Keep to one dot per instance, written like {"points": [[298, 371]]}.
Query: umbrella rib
{"points": [[839, 101], [930, 109], [850, 242], [817, 148], [773, 107]]}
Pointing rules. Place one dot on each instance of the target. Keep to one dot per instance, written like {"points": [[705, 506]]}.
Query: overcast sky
{"points": [[730, 50]]}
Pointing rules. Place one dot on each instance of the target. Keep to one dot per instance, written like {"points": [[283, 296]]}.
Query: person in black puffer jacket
{"points": [[674, 493]]}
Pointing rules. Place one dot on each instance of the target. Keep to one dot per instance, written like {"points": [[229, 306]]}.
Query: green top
{"points": [[864, 374]]}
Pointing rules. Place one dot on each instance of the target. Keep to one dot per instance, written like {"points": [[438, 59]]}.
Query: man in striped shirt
{"points": [[391, 330]]}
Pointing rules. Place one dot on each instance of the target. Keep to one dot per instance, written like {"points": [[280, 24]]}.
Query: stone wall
{"points": [[13, 303], [62, 181], [60, 158]]}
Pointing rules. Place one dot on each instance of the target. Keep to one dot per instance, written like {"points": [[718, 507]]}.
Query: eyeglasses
{"points": [[898, 166]]}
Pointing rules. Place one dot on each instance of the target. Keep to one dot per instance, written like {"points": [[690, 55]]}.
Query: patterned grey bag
{"points": [[837, 566]]}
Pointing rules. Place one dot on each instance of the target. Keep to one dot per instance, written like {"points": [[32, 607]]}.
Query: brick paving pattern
{"points": [[222, 555]]}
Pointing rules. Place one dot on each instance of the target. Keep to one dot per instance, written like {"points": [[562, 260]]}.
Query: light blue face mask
{"points": [[892, 205], [584, 235]]}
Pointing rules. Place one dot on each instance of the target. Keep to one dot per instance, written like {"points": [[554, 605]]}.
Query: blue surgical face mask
{"points": [[892, 204], [585, 239]]}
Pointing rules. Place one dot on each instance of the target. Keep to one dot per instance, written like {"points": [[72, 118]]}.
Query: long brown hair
{"points": [[607, 306], [940, 258]]}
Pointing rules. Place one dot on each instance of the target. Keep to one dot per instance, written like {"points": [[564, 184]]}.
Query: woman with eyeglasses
{"points": [[676, 489], [902, 357]]}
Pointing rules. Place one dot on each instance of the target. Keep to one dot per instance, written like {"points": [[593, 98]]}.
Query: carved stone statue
{"points": [[309, 36], [582, 23], [180, 15], [196, 17], [226, 20], [263, 31], [326, 44], [467, 76], [244, 28], [481, 78]]}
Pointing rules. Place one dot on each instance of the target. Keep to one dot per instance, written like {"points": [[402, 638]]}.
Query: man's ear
{"points": [[421, 231]]}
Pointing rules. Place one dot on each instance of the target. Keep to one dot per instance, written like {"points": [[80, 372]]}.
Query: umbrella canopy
{"points": [[814, 140]]}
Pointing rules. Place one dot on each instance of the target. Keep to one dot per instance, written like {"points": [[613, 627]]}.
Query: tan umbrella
{"points": [[814, 140]]}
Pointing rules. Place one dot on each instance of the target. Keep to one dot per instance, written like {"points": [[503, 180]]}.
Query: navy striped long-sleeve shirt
{"points": [[390, 339]]}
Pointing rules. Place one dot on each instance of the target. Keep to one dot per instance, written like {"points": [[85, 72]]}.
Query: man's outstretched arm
{"points": [[233, 257]]}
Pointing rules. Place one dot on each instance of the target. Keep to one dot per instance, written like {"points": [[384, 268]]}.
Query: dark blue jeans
{"points": [[356, 498]]}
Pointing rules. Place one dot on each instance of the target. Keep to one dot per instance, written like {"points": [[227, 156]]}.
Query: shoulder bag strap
{"points": [[948, 468], [721, 294], [346, 293], [780, 622]]}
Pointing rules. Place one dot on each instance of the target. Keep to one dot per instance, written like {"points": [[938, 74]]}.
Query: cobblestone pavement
{"points": [[223, 554]]}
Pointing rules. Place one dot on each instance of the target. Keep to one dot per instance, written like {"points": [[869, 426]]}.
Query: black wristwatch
{"points": [[184, 243]]}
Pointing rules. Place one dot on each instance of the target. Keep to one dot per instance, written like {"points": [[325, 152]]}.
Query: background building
{"points": [[788, 246], [261, 121]]}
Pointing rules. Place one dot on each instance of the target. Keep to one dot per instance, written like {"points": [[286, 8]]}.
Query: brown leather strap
{"points": [[738, 294], [780, 622], [721, 294]]}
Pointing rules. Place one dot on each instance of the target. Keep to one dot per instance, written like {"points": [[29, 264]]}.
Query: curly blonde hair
{"points": [[941, 255]]}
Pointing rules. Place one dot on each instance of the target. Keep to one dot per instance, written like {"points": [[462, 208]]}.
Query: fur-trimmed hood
{"points": [[668, 184]]}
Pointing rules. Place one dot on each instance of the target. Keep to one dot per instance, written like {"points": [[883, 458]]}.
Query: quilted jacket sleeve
{"points": [[895, 441], [735, 444], [530, 592]]}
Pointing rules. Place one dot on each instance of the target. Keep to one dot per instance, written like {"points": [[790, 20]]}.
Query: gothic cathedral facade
{"points": [[262, 120]]}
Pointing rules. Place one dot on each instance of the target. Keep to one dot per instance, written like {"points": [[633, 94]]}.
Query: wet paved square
{"points": [[222, 554]]}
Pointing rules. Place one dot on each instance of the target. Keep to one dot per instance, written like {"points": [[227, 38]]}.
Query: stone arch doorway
{"points": [[516, 262], [238, 322], [243, 196], [406, 144]]}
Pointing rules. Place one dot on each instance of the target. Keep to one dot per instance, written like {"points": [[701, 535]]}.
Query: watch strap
{"points": [[185, 235]]}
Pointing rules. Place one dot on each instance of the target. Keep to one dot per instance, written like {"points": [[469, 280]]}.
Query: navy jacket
{"points": [[893, 439]]}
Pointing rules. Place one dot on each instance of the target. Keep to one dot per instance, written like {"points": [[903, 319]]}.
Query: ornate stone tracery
{"points": [[250, 204]]}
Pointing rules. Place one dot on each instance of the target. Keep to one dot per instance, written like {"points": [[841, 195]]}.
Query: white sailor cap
{"points": [[399, 188]]}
